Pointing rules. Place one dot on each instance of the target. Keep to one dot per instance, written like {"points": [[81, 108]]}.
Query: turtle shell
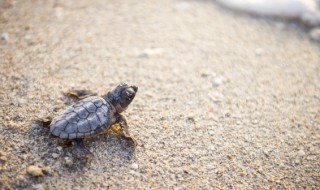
{"points": [[83, 119]]}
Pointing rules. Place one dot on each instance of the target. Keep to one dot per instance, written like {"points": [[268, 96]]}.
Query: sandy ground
{"points": [[225, 101]]}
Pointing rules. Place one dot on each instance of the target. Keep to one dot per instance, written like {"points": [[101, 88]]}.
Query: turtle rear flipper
{"points": [[44, 122], [80, 151], [79, 94]]}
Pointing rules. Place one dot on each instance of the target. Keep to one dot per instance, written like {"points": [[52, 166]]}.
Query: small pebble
{"points": [[34, 171], [38, 186], [206, 73], [134, 173], [301, 153], [27, 37], [35, 126], [191, 118], [259, 51], [210, 166], [150, 95], [134, 166], [59, 148], [55, 155], [21, 101], [3, 158], [276, 179], [47, 170], [20, 177], [218, 81], [151, 52], [219, 170], [4, 36], [69, 162], [166, 126]]}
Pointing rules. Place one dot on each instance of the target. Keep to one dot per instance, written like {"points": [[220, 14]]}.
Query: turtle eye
{"points": [[129, 95]]}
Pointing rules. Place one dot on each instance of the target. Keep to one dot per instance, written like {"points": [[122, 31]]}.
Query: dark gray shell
{"points": [[84, 119]]}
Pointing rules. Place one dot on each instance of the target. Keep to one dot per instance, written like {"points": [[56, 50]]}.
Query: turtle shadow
{"points": [[111, 149]]}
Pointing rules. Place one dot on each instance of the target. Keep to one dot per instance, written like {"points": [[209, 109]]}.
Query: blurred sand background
{"points": [[225, 101]]}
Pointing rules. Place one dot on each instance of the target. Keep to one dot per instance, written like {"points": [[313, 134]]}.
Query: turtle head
{"points": [[121, 96]]}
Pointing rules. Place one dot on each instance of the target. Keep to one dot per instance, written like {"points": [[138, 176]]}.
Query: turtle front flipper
{"points": [[124, 126], [80, 151]]}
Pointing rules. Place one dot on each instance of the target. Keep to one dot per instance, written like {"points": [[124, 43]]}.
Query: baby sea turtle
{"points": [[92, 116]]}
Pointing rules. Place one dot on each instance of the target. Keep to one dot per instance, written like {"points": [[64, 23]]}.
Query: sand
{"points": [[225, 101]]}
